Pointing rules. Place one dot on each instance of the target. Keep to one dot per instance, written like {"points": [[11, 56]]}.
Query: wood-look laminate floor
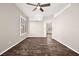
{"points": [[40, 47]]}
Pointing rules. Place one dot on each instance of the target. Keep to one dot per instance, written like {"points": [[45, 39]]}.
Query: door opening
{"points": [[49, 30]]}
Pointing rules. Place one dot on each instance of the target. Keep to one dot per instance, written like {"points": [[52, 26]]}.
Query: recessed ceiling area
{"points": [[48, 11]]}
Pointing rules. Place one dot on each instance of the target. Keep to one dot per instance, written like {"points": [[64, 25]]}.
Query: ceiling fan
{"points": [[39, 6]]}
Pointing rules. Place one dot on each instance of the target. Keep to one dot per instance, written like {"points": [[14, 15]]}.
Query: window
{"points": [[22, 25]]}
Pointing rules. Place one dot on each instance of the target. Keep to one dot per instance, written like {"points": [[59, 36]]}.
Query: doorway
{"points": [[49, 30]]}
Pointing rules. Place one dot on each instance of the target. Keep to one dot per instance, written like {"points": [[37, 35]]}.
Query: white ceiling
{"points": [[48, 11]]}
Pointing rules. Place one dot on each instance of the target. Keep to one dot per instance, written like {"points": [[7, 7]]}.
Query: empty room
{"points": [[39, 29]]}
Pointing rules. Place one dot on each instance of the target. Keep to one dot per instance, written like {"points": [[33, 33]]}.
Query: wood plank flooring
{"points": [[40, 47]]}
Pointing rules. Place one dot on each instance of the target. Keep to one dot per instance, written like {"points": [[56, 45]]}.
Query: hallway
{"points": [[40, 47]]}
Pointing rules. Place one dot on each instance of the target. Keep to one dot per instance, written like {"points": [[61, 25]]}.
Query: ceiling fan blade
{"points": [[34, 9], [31, 4], [41, 9], [45, 5]]}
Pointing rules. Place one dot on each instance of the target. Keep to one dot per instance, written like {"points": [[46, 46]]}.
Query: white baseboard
{"points": [[67, 46], [11, 47]]}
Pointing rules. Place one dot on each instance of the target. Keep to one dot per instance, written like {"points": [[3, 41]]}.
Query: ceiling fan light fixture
{"points": [[38, 7]]}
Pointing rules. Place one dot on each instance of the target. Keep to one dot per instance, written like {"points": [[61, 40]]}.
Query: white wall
{"points": [[66, 27], [9, 26], [36, 29]]}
